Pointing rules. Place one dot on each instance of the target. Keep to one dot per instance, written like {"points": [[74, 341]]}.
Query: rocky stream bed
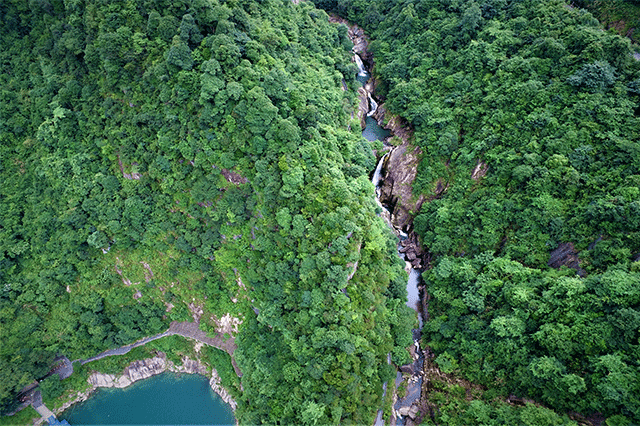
{"points": [[394, 176]]}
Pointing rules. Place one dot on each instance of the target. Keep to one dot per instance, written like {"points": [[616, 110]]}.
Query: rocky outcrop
{"points": [[413, 252], [479, 171], [137, 370], [214, 382], [396, 190], [189, 366], [143, 369], [360, 44], [396, 193], [363, 106], [566, 255], [398, 126], [367, 105], [411, 411], [358, 38]]}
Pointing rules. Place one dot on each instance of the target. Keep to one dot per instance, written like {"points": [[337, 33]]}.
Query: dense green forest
{"points": [[155, 154], [527, 116]]}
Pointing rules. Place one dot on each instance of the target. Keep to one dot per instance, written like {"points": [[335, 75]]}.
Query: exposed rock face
{"points": [[413, 252], [214, 382], [400, 170], [367, 106], [411, 411], [360, 44], [395, 123], [479, 171], [189, 366], [137, 370], [566, 255], [363, 106], [358, 38], [396, 191]]}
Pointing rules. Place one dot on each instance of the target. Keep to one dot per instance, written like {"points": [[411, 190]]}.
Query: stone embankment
{"points": [[143, 369]]}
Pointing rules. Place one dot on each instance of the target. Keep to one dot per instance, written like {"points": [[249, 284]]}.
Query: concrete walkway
{"points": [[124, 349], [192, 330], [44, 412], [184, 329], [64, 368], [38, 405]]}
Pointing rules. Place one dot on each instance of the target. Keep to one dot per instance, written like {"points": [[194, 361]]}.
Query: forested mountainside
{"points": [[526, 113], [162, 157]]}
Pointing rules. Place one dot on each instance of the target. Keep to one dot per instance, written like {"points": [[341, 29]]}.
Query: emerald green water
{"points": [[166, 399]]}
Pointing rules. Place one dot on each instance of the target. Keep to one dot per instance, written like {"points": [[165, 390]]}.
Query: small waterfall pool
{"points": [[373, 132]]}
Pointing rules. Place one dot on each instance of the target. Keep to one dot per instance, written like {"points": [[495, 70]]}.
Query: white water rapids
{"points": [[361, 71], [373, 105]]}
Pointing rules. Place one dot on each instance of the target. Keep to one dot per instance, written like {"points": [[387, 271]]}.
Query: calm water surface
{"points": [[166, 399]]}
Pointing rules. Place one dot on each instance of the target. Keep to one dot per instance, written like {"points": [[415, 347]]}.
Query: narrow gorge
{"points": [[393, 178]]}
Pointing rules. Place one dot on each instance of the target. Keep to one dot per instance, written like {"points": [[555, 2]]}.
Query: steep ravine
{"points": [[400, 167], [393, 178]]}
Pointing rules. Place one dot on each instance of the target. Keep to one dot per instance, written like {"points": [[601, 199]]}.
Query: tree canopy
{"points": [[526, 113], [161, 157]]}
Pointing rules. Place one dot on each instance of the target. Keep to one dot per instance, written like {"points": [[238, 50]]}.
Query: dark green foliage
{"points": [[527, 116], [594, 77], [52, 387], [543, 333], [206, 144], [457, 405]]}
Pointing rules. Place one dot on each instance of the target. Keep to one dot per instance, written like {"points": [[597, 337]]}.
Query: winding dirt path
{"points": [[191, 330]]}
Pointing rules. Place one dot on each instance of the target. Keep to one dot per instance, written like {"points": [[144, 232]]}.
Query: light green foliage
{"points": [[542, 332]]}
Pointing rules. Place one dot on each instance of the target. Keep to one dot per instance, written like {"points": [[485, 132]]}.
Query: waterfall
{"points": [[373, 105], [375, 180], [373, 132], [413, 293], [361, 71]]}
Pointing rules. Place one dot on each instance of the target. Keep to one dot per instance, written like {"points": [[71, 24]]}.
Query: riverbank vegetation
{"points": [[174, 158], [527, 116], [621, 16]]}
